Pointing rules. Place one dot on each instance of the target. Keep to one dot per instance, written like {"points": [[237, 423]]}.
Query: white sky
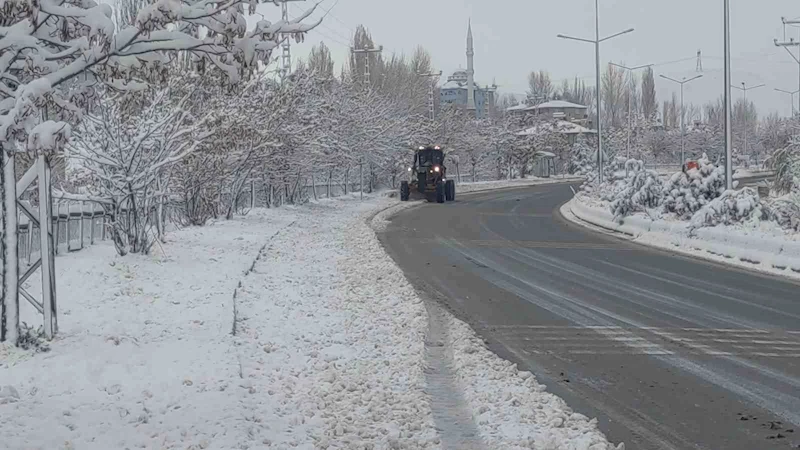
{"points": [[513, 37]]}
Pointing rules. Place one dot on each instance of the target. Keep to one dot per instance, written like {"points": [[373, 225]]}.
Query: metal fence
{"points": [[76, 224]]}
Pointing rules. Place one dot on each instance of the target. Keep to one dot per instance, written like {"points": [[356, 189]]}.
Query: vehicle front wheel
{"points": [[450, 190], [439, 192], [404, 191]]}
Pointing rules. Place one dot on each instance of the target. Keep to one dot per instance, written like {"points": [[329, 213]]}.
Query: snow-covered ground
{"points": [[761, 246], [326, 350]]}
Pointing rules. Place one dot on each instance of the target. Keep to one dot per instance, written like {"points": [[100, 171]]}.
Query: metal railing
{"points": [[76, 224]]}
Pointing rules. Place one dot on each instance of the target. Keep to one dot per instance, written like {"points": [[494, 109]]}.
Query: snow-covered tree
{"points": [[129, 143], [581, 162], [687, 192], [640, 190]]}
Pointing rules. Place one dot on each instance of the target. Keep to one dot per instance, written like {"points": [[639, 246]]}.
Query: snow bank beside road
{"points": [[466, 187], [511, 409], [332, 339], [766, 248]]}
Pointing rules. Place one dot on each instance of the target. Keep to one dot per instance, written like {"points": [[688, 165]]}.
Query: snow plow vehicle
{"points": [[428, 177]]}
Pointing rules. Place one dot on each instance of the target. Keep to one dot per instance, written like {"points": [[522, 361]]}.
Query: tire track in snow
{"points": [[452, 417]]}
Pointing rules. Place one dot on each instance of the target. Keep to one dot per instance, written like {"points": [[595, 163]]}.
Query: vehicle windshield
{"points": [[430, 157]]}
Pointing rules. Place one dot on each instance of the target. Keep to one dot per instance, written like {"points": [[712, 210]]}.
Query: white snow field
{"points": [[763, 246], [328, 352]]}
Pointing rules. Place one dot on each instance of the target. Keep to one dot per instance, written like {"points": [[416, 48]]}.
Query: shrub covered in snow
{"points": [[640, 190], [688, 192], [785, 211], [733, 206], [786, 163]]}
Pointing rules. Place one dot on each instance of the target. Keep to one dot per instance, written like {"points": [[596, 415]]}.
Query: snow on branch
{"points": [[52, 53]]}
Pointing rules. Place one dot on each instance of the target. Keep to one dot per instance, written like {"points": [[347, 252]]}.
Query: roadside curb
{"points": [[765, 255]]}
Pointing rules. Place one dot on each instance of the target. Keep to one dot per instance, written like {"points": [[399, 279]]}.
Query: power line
{"points": [[337, 33]]}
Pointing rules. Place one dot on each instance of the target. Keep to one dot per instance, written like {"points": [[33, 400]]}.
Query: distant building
{"points": [[461, 89], [555, 109]]}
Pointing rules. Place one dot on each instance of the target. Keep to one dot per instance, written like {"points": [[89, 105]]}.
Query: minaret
{"points": [[470, 69]]}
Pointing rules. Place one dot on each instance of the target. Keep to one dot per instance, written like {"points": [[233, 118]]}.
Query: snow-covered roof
{"points": [[519, 107], [552, 104], [453, 85], [544, 155], [562, 126]]}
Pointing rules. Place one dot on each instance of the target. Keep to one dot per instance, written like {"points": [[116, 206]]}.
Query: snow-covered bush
{"points": [[641, 189], [733, 206], [687, 192], [785, 210], [786, 163]]}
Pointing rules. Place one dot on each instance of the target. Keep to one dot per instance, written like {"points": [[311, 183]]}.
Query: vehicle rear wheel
{"points": [[450, 190], [404, 191], [439, 192]]}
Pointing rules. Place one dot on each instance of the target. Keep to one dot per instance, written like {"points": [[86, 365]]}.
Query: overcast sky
{"points": [[513, 37]]}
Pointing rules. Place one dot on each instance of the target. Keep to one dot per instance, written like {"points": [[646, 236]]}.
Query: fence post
{"points": [[330, 179], [57, 227], [83, 209], [252, 194], [69, 219], [9, 302], [91, 229], [47, 250]]}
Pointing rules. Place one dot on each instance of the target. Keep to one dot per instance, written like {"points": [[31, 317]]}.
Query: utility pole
{"points": [[683, 113], [791, 94], [286, 52], [744, 90], [699, 67], [727, 90], [791, 43], [431, 104], [630, 96], [366, 51], [596, 43]]}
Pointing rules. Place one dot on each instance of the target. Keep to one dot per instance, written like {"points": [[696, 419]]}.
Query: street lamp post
{"points": [[727, 90], [596, 43], [630, 94], [791, 94], [744, 90], [683, 113]]}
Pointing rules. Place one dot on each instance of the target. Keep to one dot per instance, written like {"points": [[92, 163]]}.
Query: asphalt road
{"points": [[666, 351]]}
